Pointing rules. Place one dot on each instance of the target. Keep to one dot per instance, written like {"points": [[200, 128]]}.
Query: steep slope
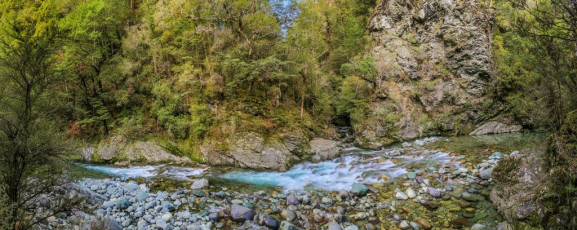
{"points": [[435, 64]]}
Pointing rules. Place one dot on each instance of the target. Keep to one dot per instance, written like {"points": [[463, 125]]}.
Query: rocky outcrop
{"points": [[494, 127], [324, 149], [523, 191], [518, 178], [119, 150], [251, 150], [434, 59], [280, 152]]}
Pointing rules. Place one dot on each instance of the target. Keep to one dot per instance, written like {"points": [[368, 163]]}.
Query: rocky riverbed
{"points": [[419, 185]]}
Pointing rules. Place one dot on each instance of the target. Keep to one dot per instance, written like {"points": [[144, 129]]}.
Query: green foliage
{"points": [[190, 70], [352, 100], [32, 146], [364, 68]]}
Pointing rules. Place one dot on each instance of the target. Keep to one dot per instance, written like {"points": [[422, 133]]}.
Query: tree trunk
{"points": [[303, 91]]}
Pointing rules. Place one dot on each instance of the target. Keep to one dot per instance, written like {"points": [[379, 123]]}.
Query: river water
{"points": [[441, 176], [354, 166]]}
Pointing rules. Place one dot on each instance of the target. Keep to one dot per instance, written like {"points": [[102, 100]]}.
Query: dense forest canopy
{"points": [[189, 68]]}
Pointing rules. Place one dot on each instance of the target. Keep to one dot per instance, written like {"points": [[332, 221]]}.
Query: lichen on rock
{"points": [[435, 64]]}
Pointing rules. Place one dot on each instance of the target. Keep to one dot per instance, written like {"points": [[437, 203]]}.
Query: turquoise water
{"points": [[354, 166]]}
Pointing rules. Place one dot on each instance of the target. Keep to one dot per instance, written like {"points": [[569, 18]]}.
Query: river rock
{"points": [[410, 193], [478, 227], [494, 127], [292, 200], [434, 192], [199, 184], [404, 225], [249, 150], [470, 197], [123, 202], [431, 205], [411, 175], [119, 148], [423, 223], [167, 217], [285, 225], [359, 189], [142, 196], [267, 220], [400, 194], [486, 173], [332, 225], [461, 222], [168, 206], [288, 215], [161, 223], [414, 225], [104, 223], [108, 204], [241, 213], [141, 225], [324, 149]]}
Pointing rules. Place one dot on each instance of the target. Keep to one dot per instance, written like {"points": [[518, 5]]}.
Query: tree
{"points": [[547, 30], [31, 149], [94, 29], [536, 46]]}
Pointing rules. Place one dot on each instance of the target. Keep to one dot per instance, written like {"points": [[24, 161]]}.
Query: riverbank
{"points": [[428, 183]]}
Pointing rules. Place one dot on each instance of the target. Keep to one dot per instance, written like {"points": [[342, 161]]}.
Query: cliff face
{"points": [[434, 58]]}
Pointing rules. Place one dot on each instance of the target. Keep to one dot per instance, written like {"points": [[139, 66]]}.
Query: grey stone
{"points": [[494, 127], [478, 227], [400, 194], [292, 200], [249, 150], [325, 149], [352, 227], [359, 189], [122, 202], [285, 225], [434, 192], [199, 184], [241, 213], [486, 173], [334, 226], [142, 196], [288, 215], [269, 221], [167, 217], [168, 206], [161, 223]]}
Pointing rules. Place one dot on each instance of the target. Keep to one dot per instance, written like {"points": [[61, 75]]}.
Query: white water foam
{"points": [[181, 173], [341, 173]]}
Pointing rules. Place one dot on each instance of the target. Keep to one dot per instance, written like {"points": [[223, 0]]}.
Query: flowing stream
{"points": [[438, 181], [354, 166]]}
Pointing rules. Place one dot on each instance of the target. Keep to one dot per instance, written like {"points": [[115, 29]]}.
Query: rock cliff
{"points": [[435, 64]]}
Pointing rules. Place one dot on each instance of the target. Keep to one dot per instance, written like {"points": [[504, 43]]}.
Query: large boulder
{"points": [[324, 149], [520, 180], [494, 127], [111, 148], [119, 149], [250, 150]]}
